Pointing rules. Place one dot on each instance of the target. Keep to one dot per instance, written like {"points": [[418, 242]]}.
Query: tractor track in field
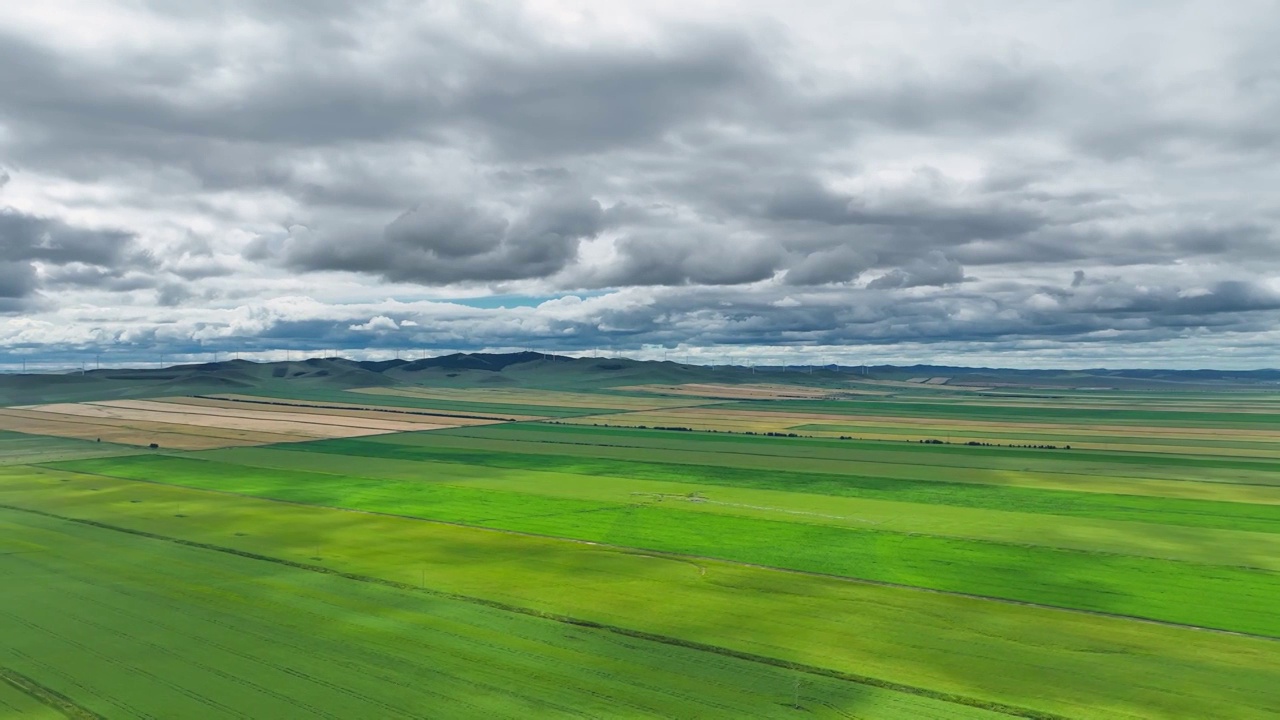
{"points": [[47, 696], [1010, 710], [695, 558]]}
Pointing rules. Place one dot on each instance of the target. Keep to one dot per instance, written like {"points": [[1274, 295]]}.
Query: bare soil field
{"points": [[252, 424], [125, 432], [203, 424]]}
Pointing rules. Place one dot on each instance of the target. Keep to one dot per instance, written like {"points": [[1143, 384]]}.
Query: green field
{"points": [[539, 569], [164, 629], [1227, 597], [22, 449]]}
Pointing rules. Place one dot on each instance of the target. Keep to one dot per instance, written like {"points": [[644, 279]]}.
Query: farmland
{"points": [[547, 550]]}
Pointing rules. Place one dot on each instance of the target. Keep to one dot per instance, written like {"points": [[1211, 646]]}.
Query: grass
{"points": [[18, 699], [1172, 511], [1083, 463], [1048, 660], [1107, 473], [133, 626], [21, 448], [558, 568], [1227, 598], [1230, 548]]}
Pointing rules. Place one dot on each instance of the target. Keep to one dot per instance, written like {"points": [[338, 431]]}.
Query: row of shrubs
{"points": [[975, 443], [926, 441]]}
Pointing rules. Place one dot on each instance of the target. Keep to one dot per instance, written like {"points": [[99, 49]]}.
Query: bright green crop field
{"points": [[539, 569]]}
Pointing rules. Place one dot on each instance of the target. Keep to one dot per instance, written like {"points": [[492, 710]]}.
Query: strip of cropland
{"points": [[559, 400], [21, 700], [526, 402], [392, 397], [135, 432], [197, 423], [1228, 594], [127, 625], [288, 407], [1133, 578], [22, 448], [1081, 425], [323, 401], [1023, 659]]}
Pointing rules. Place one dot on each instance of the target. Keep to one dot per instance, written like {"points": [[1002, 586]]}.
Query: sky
{"points": [[1017, 184]]}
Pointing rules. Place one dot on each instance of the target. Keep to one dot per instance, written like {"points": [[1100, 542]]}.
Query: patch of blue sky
{"points": [[495, 302]]}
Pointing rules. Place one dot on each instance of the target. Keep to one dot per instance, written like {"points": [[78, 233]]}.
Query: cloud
{"points": [[29, 237], [448, 240], [701, 174], [37, 250], [934, 268], [839, 264], [381, 323], [17, 279], [676, 259]]}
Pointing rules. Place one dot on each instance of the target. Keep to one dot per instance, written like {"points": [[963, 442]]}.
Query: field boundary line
{"points": [[1011, 710], [47, 696], [687, 557]]}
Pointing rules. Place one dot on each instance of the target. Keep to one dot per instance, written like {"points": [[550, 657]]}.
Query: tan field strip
{"points": [[246, 412], [395, 392], [125, 432], [454, 418], [765, 418], [521, 396], [202, 424], [748, 391], [902, 384], [1254, 408], [1113, 437], [309, 430], [415, 422]]}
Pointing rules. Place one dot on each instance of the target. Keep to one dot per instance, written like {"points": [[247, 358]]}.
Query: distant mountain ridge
{"points": [[535, 369]]}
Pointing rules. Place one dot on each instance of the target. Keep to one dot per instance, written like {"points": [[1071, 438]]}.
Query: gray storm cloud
{"points": [[704, 174]]}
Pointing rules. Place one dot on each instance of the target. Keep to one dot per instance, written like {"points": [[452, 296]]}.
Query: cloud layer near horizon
{"points": [[1067, 184]]}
